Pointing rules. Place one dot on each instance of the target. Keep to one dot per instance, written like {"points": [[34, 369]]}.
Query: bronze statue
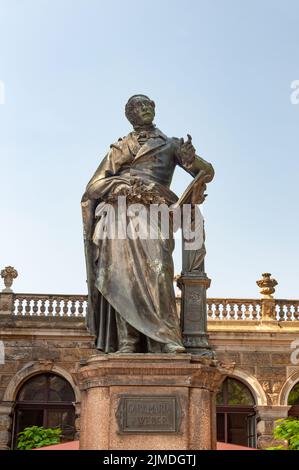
{"points": [[132, 305]]}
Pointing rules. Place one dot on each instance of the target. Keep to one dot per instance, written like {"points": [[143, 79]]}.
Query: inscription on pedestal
{"points": [[148, 414]]}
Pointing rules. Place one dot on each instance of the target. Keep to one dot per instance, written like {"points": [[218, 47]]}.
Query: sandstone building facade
{"points": [[43, 340]]}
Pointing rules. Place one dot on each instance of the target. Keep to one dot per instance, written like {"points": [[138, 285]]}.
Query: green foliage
{"points": [[35, 436], [276, 448], [287, 429]]}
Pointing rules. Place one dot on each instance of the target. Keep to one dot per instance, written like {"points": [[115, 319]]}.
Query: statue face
{"points": [[144, 112]]}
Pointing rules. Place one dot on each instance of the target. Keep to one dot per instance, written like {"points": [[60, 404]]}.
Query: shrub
{"points": [[36, 436], [287, 429]]}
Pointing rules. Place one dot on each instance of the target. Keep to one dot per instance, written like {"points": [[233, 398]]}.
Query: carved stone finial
{"points": [[267, 285], [9, 273]]}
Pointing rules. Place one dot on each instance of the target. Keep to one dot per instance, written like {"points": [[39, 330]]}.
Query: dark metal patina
{"points": [[131, 306]]}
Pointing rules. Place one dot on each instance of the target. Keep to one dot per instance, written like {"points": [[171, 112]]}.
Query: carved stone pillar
{"points": [[5, 425], [267, 415], [268, 310], [77, 420], [6, 303], [194, 312]]}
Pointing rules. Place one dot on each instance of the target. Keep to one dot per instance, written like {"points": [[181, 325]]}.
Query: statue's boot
{"points": [[174, 348], [128, 337]]}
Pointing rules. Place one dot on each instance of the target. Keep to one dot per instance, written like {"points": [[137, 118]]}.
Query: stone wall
{"points": [[35, 346], [47, 333], [262, 357]]}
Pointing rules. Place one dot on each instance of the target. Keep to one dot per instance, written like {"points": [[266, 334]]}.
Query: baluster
{"points": [[42, 308], [73, 308], [233, 314], [239, 313], [15, 307], [288, 312], [35, 307], [255, 314], [58, 308], [217, 310], [247, 311], [226, 311], [221, 309], [278, 312], [51, 308], [80, 309], [292, 310], [209, 310], [65, 307], [20, 307], [283, 312], [27, 307], [259, 311], [233, 311]]}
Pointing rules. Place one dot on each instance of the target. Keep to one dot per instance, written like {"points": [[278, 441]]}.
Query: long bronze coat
{"points": [[130, 276]]}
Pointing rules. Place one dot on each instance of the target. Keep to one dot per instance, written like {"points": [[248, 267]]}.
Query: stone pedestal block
{"points": [[267, 415], [149, 401]]}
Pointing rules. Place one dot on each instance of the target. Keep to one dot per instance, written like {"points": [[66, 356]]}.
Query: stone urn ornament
{"points": [[267, 285], [8, 274]]}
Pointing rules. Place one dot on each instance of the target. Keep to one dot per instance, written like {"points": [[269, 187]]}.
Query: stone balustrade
{"points": [[34, 305], [234, 309], [252, 309], [65, 306], [266, 309], [286, 310]]}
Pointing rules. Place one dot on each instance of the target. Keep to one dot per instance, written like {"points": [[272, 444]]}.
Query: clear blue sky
{"points": [[219, 70]]}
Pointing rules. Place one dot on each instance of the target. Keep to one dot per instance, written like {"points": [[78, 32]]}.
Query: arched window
{"points": [[293, 400], [45, 400], [236, 417]]}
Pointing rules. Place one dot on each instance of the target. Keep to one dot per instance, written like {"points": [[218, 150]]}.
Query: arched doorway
{"points": [[236, 417], [293, 400], [45, 400]]}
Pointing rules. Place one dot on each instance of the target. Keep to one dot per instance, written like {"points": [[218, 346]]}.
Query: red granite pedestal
{"points": [[149, 401]]}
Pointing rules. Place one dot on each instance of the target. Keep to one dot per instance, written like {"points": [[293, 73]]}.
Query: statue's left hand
{"points": [[121, 189], [187, 152]]}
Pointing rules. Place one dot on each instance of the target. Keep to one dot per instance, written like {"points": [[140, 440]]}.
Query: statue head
{"points": [[140, 110]]}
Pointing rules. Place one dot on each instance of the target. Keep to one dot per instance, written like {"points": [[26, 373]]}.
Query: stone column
{"points": [[6, 410], [77, 420], [267, 415], [200, 418]]}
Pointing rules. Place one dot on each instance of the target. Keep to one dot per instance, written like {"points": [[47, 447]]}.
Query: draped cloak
{"points": [[132, 276]]}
